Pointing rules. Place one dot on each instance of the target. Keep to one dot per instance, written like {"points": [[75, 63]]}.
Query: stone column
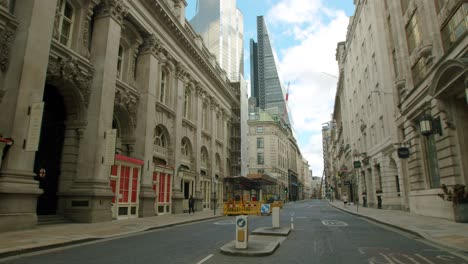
{"points": [[180, 81], [148, 71], [25, 81], [214, 135], [198, 135], [91, 186]]}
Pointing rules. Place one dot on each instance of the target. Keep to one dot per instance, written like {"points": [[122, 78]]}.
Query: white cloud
{"points": [[294, 11], [315, 31]]}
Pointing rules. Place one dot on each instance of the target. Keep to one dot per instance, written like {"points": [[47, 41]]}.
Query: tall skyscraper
{"points": [[221, 26], [267, 90]]}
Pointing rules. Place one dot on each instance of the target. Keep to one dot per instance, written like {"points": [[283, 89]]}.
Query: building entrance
{"points": [[48, 157]]}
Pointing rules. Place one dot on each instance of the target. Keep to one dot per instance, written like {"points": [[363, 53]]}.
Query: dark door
{"points": [[186, 189], [49, 155]]}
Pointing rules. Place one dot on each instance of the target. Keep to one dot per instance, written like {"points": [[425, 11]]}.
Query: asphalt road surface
{"points": [[321, 234]]}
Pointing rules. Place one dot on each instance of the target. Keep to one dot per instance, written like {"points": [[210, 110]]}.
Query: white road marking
{"points": [[224, 222], [333, 223], [205, 259]]}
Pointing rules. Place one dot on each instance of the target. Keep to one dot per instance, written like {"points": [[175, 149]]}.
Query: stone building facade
{"points": [[403, 62], [119, 102], [273, 150]]}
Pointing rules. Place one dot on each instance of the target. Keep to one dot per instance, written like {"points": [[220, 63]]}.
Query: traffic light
{"points": [[285, 189]]}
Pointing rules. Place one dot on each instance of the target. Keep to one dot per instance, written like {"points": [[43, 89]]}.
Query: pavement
{"points": [[439, 231], [44, 237], [436, 230]]}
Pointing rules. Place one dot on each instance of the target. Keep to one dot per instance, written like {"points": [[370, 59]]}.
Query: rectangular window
{"points": [[420, 70], [413, 36], [397, 182], [259, 143], [432, 162], [395, 63], [456, 27], [162, 88], [260, 129], [260, 160]]}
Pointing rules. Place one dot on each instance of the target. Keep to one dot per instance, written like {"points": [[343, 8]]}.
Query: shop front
{"points": [[162, 185], [125, 184]]}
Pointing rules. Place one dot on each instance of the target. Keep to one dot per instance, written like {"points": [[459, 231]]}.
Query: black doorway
{"points": [[49, 155]]}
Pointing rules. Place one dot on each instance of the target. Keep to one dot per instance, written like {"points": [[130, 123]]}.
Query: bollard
{"points": [[242, 232], [275, 217]]}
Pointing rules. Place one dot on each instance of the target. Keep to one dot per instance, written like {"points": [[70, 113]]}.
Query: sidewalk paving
{"points": [[57, 235], [440, 231]]}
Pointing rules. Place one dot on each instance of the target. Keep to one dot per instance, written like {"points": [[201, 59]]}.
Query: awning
{"points": [[262, 178], [252, 181]]}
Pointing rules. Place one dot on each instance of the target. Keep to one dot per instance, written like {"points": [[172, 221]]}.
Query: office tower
{"points": [[221, 26], [267, 90]]}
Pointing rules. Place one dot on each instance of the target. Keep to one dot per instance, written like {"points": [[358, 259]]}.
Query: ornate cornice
{"points": [[199, 91], [214, 105], [190, 47], [67, 69], [181, 72], [113, 8], [153, 45]]}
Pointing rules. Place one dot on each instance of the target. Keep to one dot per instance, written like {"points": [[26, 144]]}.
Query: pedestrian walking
{"points": [[345, 199], [191, 203]]}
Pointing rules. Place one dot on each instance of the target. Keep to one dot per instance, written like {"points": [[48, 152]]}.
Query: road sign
{"points": [[265, 209], [241, 222]]}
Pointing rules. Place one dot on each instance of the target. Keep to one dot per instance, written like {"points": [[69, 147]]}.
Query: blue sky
{"points": [[304, 35]]}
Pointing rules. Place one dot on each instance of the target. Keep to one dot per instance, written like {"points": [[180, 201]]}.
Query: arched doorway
{"points": [[48, 157]]}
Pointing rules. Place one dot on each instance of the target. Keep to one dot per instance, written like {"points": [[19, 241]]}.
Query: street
{"points": [[321, 234]]}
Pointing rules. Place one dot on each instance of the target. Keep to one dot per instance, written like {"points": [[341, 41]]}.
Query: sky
{"points": [[304, 35]]}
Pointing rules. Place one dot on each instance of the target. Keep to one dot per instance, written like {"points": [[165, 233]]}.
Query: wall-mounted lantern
{"points": [[429, 125]]}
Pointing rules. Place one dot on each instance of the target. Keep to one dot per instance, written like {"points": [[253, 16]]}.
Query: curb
{"points": [[380, 222], [429, 238], [23, 251]]}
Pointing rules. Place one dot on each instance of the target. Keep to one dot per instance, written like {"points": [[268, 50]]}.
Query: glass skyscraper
{"points": [[221, 26], [267, 90]]}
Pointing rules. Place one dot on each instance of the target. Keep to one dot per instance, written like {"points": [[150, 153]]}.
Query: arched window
{"points": [[163, 87], [65, 23], [120, 59], [160, 137]]}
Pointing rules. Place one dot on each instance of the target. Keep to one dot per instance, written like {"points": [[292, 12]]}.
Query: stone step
{"points": [[51, 219]]}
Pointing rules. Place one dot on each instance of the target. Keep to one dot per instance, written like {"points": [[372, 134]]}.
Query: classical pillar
{"points": [[198, 134], [148, 71], [214, 106], [180, 82], [90, 189], [24, 79]]}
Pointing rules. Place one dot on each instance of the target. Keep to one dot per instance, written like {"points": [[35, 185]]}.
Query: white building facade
{"points": [[402, 62]]}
